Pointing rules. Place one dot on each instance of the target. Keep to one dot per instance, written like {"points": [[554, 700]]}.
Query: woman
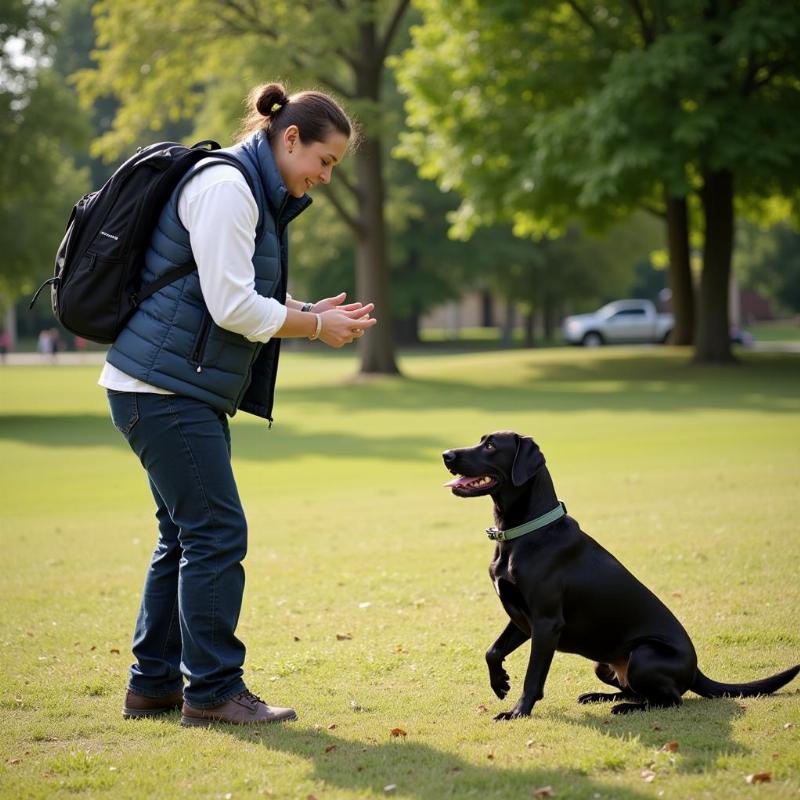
{"points": [[193, 353]]}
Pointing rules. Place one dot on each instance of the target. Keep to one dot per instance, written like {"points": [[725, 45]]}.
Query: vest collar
{"points": [[527, 527], [284, 206]]}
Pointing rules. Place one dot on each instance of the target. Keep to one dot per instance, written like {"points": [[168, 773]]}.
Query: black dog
{"points": [[567, 593]]}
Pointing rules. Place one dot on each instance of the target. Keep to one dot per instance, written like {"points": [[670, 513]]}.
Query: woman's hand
{"points": [[335, 302], [342, 325]]}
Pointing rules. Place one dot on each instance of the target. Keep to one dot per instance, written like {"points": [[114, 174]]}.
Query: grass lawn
{"points": [[368, 606]]}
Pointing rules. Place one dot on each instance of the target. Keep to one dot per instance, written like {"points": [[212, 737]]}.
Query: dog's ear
{"points": [[528, 460]]}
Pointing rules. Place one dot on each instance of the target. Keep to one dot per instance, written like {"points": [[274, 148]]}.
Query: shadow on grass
{"points": [[614, 385], [90, 430], [418, 770], [701, 728]]}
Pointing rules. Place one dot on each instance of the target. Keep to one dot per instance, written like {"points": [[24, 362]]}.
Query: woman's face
{"points": [[303, 166]]}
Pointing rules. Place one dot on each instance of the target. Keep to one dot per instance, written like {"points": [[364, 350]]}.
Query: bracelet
{"points": [[318, 330], [306, 306]]}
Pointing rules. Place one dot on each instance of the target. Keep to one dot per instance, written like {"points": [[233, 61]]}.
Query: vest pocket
{"points": [[200, 342]]}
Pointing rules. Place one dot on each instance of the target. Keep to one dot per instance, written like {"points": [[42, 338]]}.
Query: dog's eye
{"points": [[488, 446]]}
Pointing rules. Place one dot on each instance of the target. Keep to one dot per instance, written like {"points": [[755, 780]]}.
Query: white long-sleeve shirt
{"points": [[218, 209]]}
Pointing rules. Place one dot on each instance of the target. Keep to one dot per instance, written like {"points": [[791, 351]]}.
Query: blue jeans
{"points": [[193, 590]]}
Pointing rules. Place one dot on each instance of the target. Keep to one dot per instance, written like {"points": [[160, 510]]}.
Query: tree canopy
{"points": [[39, 126], [540, 113]]}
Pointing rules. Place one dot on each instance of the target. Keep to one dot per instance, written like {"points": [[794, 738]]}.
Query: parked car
{"points": [[618, 322]]}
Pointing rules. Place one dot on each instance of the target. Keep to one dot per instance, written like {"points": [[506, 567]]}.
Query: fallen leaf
{"points": [[656, 727], [788, 725], [670, 747], [398, 732], [114, 650], [343, 637], [330, 747], [648, 776], [544, 791], [482, 708], [529, 743], [15, 761], [355, 706], [490, 756], [332, 726], [389, 788], [93, 647], [677, 594], [364, 605], [759, 777], [297, 638]]}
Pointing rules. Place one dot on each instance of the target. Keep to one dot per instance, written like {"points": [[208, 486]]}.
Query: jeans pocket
{"points": [[124, 410]]}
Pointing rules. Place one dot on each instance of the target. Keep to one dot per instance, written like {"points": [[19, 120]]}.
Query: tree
{"points": [[162, 59], [39, 122], [768, 262], [563, 110]]}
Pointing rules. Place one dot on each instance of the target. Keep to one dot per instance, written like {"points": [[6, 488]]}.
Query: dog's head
{"points": [[500, 459]]}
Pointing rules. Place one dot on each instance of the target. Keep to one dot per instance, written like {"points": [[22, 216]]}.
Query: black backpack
{"points": [[97, 281]]}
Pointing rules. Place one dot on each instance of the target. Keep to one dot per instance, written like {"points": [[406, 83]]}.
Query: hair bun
{"points": [[269, 99]]}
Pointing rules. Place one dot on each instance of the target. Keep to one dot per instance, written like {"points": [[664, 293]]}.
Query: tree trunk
{"points": [[548, 318], [530, 328], [509, 321], [680, 270], [487, 308], [376, 348], [713, 330]]}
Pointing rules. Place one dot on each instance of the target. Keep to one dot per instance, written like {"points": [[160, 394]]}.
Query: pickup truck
{"points": [[620, 321]]}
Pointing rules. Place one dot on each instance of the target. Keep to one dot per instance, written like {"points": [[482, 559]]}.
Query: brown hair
{"points": [[314, 113]]}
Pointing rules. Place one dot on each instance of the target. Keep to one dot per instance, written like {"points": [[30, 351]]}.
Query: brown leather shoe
{"points": [[244, 708], [137, 705]]}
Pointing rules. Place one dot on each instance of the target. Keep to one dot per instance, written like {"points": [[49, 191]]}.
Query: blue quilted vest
{"points": [[171, 340]]}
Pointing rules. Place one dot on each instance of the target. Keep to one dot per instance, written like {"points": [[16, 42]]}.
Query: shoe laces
{"points": [[250, 697]]}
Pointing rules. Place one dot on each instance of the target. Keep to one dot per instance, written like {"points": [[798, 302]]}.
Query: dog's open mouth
{"points": [[470, 485]]}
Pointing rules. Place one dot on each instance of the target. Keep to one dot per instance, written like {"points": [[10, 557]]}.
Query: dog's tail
{"points": [[705, 687]]}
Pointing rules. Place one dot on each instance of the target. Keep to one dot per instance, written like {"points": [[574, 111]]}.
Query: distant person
{"points": [[47, 343], [5, 345], [191, 355]]}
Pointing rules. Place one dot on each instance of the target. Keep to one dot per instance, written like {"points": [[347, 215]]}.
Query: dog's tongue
{"points": [[462, 480]]}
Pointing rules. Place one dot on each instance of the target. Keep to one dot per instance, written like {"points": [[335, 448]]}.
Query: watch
{"points": [[306, 306]]}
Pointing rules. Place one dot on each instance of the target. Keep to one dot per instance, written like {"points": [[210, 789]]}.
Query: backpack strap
{"points": [[215, 157]]}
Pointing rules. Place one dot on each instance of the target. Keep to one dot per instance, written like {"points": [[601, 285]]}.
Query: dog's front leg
{"points": [[543, 646], [507, 642]]}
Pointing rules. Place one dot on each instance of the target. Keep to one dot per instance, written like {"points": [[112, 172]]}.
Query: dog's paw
{"points": [[514, 713], [596, 697], [499, 681], [628, 708]]}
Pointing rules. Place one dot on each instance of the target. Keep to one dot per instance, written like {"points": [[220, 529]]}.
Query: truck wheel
{"points": [[592, 339]]}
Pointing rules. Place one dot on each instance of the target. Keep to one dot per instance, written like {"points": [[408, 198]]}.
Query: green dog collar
{"points": [[512, 533]]}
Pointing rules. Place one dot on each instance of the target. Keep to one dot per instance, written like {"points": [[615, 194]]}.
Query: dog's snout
{"points": [[449, 457]]}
